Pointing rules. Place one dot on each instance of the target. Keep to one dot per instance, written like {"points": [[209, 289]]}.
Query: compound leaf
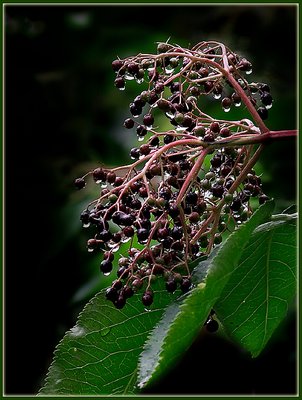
{"points": [[99, 355], [257, 295], [183, 320]]}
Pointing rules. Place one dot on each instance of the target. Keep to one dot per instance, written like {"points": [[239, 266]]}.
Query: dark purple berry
{"points": [[148, 119], [142, 234], [226, 103], [79, 183], [120, 301], [99, 175], [209, 137], [263, 198], [135, 110], [105, 235], [141, 130], [119, 83], [117, 64], [191, 198], [216, 161], [128, 231], [111, 177], [128, 292], [236, 204], [212, 325], [128, 123], [266, 98], [106, 266], [111, 294], [168, 139], [171, 285], [147, 298], [177, 232], [217, 190], [135, 153], [185, 284], [133, 68], [263, 113]]}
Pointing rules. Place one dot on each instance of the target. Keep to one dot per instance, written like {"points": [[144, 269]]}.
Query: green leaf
{"points": [[183, 320], [257, 296], [99, 355]]}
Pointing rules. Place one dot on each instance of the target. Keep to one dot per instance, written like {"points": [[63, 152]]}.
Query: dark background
{"points": [[63, 116]]}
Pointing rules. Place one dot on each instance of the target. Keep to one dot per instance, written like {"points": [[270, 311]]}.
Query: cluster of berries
{"points": [[186, 186]]}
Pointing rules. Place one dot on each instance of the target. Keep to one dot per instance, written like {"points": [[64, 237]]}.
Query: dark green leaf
{"points": [[182, 321], [99, 355], [257, 296]]}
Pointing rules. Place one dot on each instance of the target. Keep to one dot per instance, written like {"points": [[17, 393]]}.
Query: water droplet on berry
{"points": [[125, 239], [147, 309], [169, 70], [151, 68], [226, 109], [180, 128], [139, 81], [128, 77], [217, 96], [169, 114], [86, 225], [140, 138], [248, 72], [269, 106], [237, 104], [106, 273], [122, 88], [90, 250]]}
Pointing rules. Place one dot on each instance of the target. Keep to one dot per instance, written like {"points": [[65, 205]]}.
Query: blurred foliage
{"points": [[64, 117]]}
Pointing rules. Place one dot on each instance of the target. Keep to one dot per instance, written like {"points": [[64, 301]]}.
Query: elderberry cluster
{"points": [[167, 205]]}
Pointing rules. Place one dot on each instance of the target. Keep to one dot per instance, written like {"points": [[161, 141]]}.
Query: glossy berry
{"points": [[263, 113], [111, 177], [135, 110], [177, 232], [217, 190], [120, 302], [236, 204], [133, 68], [148, 119], [106, 266], [147, 298], [105, 235], [135, 153], [209, 137], [117, 64], [212, 325], [128, 123], [99, 175], [111, 294], [171, 285], [128, 292], [225, 132], [185, 284], [79, 183], [263, 198], [226, 103], [266, 98], [119, 83], [141, 130], [191, 198], [142, 234]]}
